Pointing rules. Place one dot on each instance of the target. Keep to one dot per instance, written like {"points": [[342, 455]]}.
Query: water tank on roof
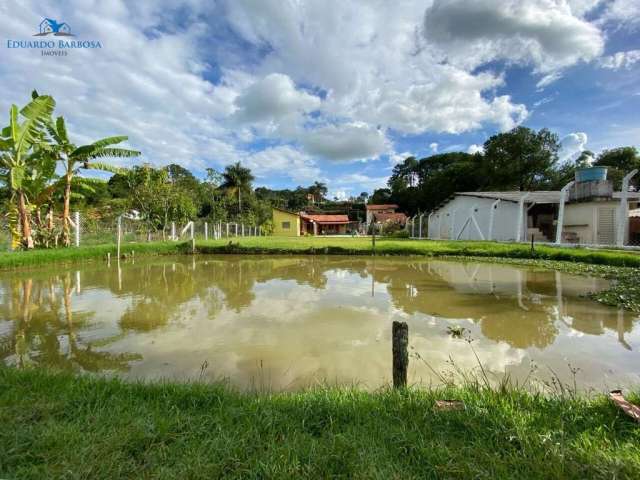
{"points": [[591, 185], [591, 174]]}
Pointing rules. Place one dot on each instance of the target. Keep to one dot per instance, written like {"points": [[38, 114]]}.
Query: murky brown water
{"points": [[288, 322]]}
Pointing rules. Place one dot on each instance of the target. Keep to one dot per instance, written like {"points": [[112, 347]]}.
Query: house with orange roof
{"points": [[385, 213], [289, 224]]}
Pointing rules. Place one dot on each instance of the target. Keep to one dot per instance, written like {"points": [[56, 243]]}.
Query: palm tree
{"points": [[235, 179], [21, 144], [318, 190], [73, 158]]}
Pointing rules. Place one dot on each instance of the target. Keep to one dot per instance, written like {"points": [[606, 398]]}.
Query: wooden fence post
{"points": [[400, 345], [119, 235], [373, 240]]}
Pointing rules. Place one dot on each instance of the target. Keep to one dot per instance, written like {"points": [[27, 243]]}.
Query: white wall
{"points": [[582, 218], [459, 210]]}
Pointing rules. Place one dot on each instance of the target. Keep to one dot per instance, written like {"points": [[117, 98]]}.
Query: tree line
{"points": [[522, 159], [43, 177]]}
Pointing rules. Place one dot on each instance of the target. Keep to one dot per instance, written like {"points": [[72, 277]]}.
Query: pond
{"points": [[281, 322]]}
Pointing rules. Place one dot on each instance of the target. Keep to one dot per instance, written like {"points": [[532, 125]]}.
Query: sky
{"points": [[337, 91]]}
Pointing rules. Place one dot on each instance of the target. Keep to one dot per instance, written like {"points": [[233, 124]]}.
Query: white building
{"points": [[589, 213]]}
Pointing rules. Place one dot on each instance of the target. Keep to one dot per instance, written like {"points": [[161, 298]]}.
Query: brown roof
{"points": [[325, 218], [382, 207], [390, 217]]}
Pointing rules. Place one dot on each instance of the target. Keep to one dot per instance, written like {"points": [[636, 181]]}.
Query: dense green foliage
{"points": [[30, 148], [38, 201], [60, 426], [521, 159]]}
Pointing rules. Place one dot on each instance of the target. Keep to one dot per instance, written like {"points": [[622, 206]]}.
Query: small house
{"points": [[285, 223], [314, 224], [380, 209], [290, 224]]}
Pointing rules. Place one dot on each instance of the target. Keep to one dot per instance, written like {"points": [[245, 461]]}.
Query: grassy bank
{"points": [[9, 260], [54, 426], [363, 246], [335, 246]]}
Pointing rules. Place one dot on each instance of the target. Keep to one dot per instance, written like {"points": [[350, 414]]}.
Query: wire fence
{"points": [[86, 230], [593, 225]]}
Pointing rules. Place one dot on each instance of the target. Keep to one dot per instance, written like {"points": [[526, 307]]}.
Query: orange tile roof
{"points": [[326, 218], [382, 207]]}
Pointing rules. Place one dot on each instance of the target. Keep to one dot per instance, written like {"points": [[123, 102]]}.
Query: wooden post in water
{"points": [[400, 349], [532, 238], [119, 235], [373, 240]]}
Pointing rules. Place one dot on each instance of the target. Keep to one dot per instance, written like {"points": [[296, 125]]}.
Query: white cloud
{"points": [[452, 102], [548, 80], [620, 60], [572, 145], [339, 194], [434, 147], [284, 161], [581, 7], [544, 100], [274, 98], [345, 142], [396, 158], [474, 148], [545, 34], [367, 57], [370, 183], [626, 12]]}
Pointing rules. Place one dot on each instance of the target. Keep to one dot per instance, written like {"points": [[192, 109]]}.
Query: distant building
{"points": [[588, 212], [290, 224], [387, 218], [313, 224], [285, 224], [376, 210]]}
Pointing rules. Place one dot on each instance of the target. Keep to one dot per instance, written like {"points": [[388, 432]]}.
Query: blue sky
{"points": [[332, 90]]}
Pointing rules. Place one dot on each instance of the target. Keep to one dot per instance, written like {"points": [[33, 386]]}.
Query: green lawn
{"points": [[319, 245], [60, 426]]}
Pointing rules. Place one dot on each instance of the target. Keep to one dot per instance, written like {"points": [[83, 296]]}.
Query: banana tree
{"points": [[20, 145], [74, 158]]}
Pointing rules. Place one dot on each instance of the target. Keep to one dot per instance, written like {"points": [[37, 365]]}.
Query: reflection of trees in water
{"points": [[520, 307], [45, 328]]}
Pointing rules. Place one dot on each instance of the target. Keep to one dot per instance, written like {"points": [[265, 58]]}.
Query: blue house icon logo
{"points": [[49, 26]]}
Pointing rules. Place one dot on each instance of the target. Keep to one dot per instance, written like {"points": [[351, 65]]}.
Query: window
{"points": [[286, 225]]}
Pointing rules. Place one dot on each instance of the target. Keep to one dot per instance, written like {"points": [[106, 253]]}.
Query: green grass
{"points": [[319, 245], [9, 260], [363, 246], [60, 426]]}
